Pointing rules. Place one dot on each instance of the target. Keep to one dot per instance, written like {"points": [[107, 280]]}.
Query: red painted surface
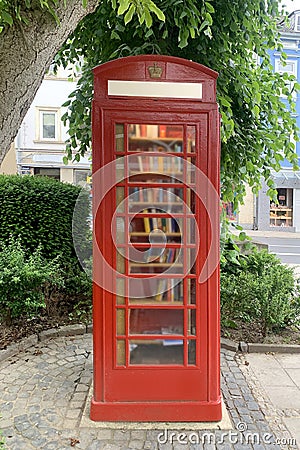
{"points": [[186, 389]]}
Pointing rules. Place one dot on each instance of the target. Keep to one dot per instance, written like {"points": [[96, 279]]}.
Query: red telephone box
{"points": [[156, 241]]}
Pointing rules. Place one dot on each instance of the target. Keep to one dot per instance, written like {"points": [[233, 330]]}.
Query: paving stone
{"points": [[52, 388], [120, 435], [136, 444], [150, 445]]}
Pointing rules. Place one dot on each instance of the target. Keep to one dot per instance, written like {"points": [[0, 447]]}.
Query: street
{"points": [[286, 247]]}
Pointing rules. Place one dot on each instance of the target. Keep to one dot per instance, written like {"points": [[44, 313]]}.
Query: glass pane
{"points": [[191, 170], [191, 254], [192, 322], [191, 290], [119, 198], [156, 200], [156, 352], [167, 165], [191, 138], [192, 352], [154, 290], [155, 138], [119, 137], [121, 359], [120, 230], [120, 169], [155, 230], [120, 291], [192, 231], [48, 125], [120, 321], [190, 201], [120, 263], [156, 321], [168, 259]]}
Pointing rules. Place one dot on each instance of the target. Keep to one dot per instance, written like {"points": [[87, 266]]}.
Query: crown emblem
{"points": [[155, 71]]}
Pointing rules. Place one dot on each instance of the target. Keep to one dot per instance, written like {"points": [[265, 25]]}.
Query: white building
{"points": [[40, 143]]}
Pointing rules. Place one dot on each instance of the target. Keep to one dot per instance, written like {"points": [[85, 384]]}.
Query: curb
{"points": [[30, 341], [80, 329], [245, 347]]}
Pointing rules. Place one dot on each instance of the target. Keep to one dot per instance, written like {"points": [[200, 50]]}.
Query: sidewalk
{"points": [[274, 234], [277, 376], [44, 392]]}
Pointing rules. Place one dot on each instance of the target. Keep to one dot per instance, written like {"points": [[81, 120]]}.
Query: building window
{"points": [[290, 68], [48, 124], [51, 71], [297, 22], [47, 172], [281, 213], [82, 177]]}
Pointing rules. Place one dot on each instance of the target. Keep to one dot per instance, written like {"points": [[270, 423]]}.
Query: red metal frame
{"points": [[169, 392]]}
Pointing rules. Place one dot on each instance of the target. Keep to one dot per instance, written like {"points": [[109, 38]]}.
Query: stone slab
{"points": [[274, 348], [274, 377], [293, 425], [287, 397], [294, 374], [227, 344], [86, 422], [289, 361], [262, 361]]}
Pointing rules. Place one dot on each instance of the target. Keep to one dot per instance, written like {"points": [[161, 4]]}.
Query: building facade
{"points": [[40, 143], [283, 215]]}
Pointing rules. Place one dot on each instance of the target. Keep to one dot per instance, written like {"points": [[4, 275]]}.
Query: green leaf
{"points": [[6, 17], [209, 7], [124, 4], [129, 14]]}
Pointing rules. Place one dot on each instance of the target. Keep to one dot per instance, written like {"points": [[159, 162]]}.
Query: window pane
{"points": [[47, 172], [155, 138], [48, 125], [156, 352], [156, 321], [119, 137]]}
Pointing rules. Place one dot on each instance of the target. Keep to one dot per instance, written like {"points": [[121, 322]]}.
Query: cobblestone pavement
{"points": [[44, 391]]}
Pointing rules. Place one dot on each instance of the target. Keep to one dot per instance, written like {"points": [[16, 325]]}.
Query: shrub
{"points": [[24, 279], [39, 211], [262, 289]]}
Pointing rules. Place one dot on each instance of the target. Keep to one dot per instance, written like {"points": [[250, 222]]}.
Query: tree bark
{"points": [[26, 51]]}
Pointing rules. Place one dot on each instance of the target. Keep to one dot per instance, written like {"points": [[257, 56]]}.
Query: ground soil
{"points": [[24, 327], [251, 332]]}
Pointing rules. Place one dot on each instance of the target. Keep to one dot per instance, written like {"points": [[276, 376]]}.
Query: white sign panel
{"points": [[155, 89]]}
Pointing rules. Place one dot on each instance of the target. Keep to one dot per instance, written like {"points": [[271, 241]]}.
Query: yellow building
{"points": [[9, 163]]}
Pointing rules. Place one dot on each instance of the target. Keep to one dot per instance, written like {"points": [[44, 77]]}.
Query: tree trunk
{"points": [[26, 51]]}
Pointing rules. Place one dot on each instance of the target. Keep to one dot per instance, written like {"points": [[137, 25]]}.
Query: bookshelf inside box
{"points": [[157, 218]]}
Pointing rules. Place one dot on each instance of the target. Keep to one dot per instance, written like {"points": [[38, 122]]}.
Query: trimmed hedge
{"points": [[39, 211]]}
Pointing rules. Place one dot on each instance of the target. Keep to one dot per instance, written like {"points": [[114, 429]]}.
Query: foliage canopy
{"points": [[228, 37]]}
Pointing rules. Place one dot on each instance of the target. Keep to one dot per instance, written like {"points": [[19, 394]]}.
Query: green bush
{"points": [[261, 289], [24, 280], [39, 211]]}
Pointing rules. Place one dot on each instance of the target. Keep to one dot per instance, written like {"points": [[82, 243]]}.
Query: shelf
{"points": [[150, 302], [162, 264], [144, 233], [155, 139], [280, 218]]}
